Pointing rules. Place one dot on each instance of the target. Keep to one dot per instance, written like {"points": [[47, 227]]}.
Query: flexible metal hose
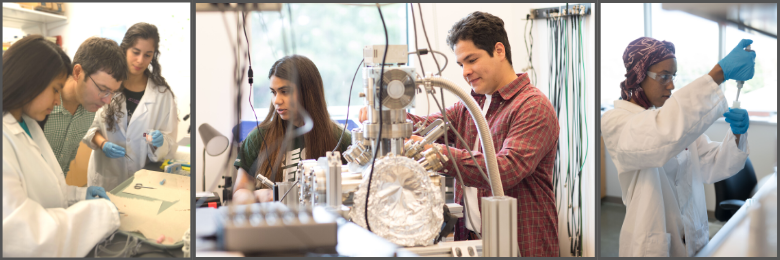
{"points": [[482, 128]]}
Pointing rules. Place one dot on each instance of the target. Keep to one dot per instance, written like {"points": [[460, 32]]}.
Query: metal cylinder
{"points": [[291, 200], [499, 227]]}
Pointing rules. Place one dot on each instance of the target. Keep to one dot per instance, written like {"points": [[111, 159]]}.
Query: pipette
{"points": [[739, 86]]}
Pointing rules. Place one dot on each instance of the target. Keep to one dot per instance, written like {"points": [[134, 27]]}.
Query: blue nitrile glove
{"points": [[739, 64], [739, 120], [93, 191], [112, 150], [157, 138]]}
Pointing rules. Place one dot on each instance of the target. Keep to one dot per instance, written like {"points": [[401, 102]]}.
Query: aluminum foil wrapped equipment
{"points": [[404, 206]]}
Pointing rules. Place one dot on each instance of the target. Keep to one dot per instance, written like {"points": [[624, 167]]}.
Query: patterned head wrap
{"points": [[638, 57]]}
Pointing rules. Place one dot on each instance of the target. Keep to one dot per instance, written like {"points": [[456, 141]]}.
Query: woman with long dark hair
{"points": [[42, 215], [146, 106], [271, 149]]}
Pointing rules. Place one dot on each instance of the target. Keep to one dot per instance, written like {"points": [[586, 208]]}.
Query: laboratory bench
{"points": [[752, 230]]}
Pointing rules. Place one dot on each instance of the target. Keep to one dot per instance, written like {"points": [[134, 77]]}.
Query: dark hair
{"points": [[311, 96], [484, 29], [144, 31], [29, 66], [101, 54]]}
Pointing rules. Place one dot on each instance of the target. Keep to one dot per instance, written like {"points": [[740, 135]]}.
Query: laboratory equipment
{"points": [[246, 228], [739, 86]]}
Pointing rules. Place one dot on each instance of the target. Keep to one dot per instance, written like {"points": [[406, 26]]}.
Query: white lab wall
{"points": [[439, 18], [762, 138], [173, 24], [216, 92]]}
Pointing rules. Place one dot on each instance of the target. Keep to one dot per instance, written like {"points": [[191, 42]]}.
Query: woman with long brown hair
{"points": [[272, 149], [42, 215], [145, 106]]}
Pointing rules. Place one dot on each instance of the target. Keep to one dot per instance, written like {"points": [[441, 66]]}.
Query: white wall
{"points": [[173, 24], [439, 18], [762, 138], [216, 92]]}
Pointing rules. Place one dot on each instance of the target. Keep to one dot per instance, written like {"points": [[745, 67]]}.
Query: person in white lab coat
{"points": [[146, 105], [662, 155], [42, 215]]}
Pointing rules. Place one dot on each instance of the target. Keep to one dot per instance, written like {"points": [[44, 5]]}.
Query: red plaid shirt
{"points": [[525, 134]]}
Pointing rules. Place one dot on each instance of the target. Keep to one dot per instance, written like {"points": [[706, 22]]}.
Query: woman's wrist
{"points": [[717, 74], [102, 143]]}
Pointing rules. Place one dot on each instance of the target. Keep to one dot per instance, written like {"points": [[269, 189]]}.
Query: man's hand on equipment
{"points": [[418, 138]]}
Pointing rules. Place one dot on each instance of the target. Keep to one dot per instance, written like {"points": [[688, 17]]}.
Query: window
{"points": [[332, 36], [758, 95], [624, 24], [695, 42]]}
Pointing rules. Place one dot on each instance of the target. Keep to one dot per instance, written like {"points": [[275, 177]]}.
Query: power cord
{"points": [[379, 138], [346, 121]]}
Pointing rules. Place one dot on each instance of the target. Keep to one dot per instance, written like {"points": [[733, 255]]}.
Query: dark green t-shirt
{"points": [[251, 147]]}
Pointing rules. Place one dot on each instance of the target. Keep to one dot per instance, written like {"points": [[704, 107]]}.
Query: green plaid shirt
{"points": [[64, 132]]}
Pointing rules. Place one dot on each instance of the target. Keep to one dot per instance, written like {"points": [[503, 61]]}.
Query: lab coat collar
{"points": [[631, 107], [13, 126]]}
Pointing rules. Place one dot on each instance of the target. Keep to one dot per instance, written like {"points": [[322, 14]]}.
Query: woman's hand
{"points": [[739, 64], [264, 195], [112, 150], [157, 138], [243, 197]]}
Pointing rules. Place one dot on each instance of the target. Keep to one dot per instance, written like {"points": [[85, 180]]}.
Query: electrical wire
{"points": [[249, 73], [379, 138], [234, 45], [416, 47], [448, 125], [567, 78], [422, 22], [346, 121], [530, 51], [452, 159]]}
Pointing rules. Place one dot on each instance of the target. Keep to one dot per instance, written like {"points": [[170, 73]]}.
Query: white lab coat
{"points": [[663, 160], [43, 216], [155, 111]]}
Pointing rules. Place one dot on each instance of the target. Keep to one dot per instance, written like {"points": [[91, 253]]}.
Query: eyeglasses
{"points": [[663, 79], [103, 93]]}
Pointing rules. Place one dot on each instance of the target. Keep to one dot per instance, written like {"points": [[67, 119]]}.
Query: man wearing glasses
{"points": [[99, 68]]}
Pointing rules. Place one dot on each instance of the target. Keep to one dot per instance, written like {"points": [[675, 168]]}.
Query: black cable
{"points": [[249, 73], [379, 138], [416, 48], [447, 126], [346, 121], [422, 22], [292, 32]]}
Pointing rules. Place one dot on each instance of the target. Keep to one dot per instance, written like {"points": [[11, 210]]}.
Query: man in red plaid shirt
{"points": [[524, 129]]}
